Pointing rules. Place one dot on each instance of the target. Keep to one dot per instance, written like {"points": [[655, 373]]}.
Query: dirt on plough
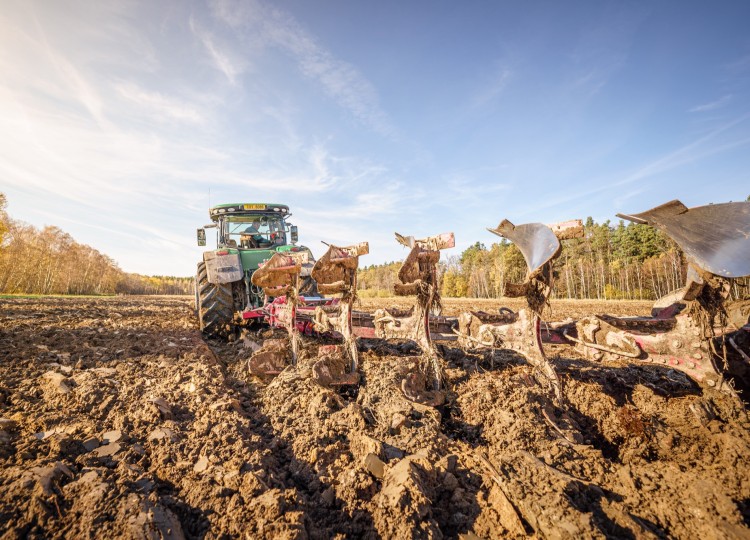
{"points": [[118, 420]]}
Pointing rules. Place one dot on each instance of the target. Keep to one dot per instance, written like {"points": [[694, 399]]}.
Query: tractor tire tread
{"points": [[215, 305]]}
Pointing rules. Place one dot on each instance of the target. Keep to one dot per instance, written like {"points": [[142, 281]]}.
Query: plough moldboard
{"points": [[693, 330]]}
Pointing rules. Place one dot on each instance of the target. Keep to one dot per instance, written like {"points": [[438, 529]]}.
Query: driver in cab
{"points": [[251, 236]]}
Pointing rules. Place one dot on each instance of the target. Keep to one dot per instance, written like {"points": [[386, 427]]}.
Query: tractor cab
{"points": [[254, 231], [250, 226]]}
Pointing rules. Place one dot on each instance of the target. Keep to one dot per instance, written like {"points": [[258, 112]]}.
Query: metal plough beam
{"points": [[678, 344]]}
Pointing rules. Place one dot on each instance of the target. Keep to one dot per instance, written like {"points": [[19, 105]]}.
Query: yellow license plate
{"points": [[255, 207]]}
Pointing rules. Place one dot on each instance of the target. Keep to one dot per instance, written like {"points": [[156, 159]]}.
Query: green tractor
{"points": [[247, 235]]}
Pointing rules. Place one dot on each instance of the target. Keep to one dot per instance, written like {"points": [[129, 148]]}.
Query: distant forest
{"points": [[50, 261], [612, 262]]}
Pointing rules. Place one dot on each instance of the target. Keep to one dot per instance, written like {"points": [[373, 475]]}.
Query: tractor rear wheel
{"points": [[215, 305]]}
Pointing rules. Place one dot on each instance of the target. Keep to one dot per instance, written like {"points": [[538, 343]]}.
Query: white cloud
{"points": [[738, 65], [593, 81], [623, 197], [156, 102], [223, 58], [687, 153], [342, 81], [492, 89], [713, 105], [24, 55]]}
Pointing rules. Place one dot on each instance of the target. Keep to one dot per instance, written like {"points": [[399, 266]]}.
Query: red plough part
{"points": [[690, 330], [336, 273], [418, 277], [520, 332]]}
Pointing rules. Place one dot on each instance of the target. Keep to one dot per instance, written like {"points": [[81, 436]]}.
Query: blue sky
{"points": [[117, 118]]}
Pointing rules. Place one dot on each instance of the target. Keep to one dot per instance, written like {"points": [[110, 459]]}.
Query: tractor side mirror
{"points": [[295, 234], [201, 237]]}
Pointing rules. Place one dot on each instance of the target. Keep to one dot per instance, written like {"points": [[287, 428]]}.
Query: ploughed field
{"points": [[119, 420]]}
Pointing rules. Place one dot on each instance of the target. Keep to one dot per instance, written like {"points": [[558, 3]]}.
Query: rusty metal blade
{"points": [[271, 359], [716, 237], [331, 367]]}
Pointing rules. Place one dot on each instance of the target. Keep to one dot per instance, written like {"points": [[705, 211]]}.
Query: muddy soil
{"points": [[118, 420]]}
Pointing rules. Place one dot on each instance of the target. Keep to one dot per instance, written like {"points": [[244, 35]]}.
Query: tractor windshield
{"points": [[254, 231]]}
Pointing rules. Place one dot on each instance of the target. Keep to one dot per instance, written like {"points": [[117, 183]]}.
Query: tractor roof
{"points": [[247, 208]]}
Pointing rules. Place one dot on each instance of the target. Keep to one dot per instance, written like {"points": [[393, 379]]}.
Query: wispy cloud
{"points": [[623, 197], [593, 81], [738, 65], [388, 199], [63, 76], [713, 105], [341, 80], [470, 187], [492, 89], [691, 152], [156, 102], [223, 58]]}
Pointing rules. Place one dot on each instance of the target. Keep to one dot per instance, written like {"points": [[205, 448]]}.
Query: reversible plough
{"points": [[692, 330]]}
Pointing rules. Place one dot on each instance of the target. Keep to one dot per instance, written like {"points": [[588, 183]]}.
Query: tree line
{"points": [[50, 261], [612, 262]]}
